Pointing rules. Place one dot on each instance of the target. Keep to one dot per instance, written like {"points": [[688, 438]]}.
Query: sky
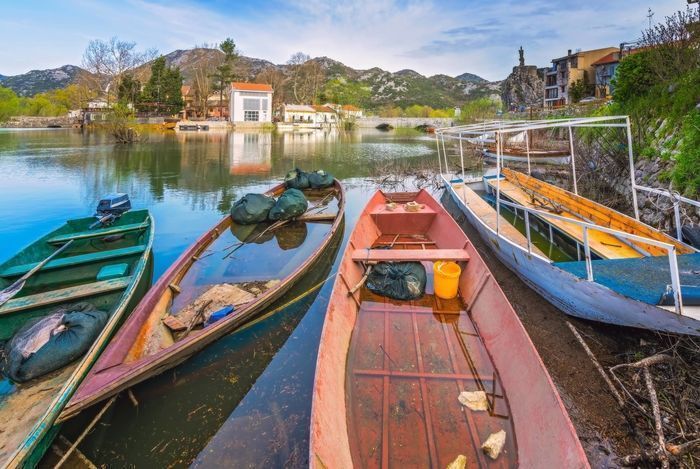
{"points": [[430, 37]]}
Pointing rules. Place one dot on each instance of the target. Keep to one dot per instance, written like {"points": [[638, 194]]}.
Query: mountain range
{"points": [[402, 88]]}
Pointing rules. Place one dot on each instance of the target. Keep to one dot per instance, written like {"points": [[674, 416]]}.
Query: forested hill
{"points": [[377, 87]]}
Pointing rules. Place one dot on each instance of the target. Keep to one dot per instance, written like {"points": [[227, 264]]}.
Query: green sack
{"points": [[53, 341], [296, 179], [320, 179], [290, 204], [251, 208], [397, 280]]}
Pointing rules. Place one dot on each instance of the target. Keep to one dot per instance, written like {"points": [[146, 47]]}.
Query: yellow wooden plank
{"points": [[63, 295], [603, 244], [487, 214]]}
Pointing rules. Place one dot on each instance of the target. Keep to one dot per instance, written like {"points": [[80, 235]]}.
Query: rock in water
{"points": [[494, 444], [459, 463], [474, 400]]}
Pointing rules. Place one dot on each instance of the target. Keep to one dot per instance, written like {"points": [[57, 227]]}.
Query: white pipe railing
{"points": [[677, 200], [670, 248]]}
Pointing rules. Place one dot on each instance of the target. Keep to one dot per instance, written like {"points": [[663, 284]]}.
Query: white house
{"points": [[325, 115], [308, 116], [298, 113], [250, 102]]}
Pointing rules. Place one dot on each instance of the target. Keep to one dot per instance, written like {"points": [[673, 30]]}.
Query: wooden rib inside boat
{"points": [[75, 275], [396, 402], [241, 269]]}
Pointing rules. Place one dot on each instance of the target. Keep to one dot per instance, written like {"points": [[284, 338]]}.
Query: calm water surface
{"points": [[245, 400]]}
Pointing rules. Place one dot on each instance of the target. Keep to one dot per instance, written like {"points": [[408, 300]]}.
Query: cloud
{"points": [[429, 36]]}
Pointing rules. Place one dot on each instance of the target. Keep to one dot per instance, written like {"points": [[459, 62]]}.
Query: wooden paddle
{"points": [[9, 292]]}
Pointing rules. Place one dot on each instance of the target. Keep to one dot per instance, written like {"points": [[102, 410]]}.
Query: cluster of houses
{"points": [[251, 104], [595, 68]]}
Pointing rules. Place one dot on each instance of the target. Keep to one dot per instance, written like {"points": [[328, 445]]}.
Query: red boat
{"points": [[392, 376], [155, 337]]}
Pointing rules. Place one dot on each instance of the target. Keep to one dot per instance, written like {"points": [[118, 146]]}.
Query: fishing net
{"points": [[49, 343], [398, 280], [320, 179], [297, 179], [252, 208], [290, 204]]}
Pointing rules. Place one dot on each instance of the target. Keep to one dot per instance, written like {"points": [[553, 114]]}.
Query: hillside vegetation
{"points": [[659, 88]]}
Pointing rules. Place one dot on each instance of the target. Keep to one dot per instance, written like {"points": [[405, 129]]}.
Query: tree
{"points": [[203, 72], [342, 91], [129, 89], [296, 66], [163, 91], [9, 104], [577, 91], [307, 78], [633, 77], [111, 59], [224, 71], [276, 79]]}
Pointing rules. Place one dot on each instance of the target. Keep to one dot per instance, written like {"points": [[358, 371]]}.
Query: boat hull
{"points": [[114, 373], [574, 296], [535, 408], [41, 435]]}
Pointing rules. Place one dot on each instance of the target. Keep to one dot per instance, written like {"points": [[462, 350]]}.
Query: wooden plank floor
{"points": [[605, 245], [487, 214]]}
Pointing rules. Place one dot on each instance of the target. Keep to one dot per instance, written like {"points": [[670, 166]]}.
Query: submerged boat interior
{"points": [[99, 267]]}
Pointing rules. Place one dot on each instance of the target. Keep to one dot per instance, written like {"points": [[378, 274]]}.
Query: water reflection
{"points": [[251, 153]]}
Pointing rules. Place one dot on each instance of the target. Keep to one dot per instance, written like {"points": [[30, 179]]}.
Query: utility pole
{"points": [[650, 15]]}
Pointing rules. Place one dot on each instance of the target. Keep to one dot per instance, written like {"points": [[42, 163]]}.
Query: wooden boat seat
{"points": [[110, 230], [405, 255], [64, 295], [74, 260], [402, 221]]}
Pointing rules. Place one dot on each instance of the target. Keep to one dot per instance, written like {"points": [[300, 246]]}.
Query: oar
{"points": [[17, 285]]}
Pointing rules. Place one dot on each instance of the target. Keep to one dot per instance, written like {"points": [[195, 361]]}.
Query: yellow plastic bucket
{"points": [[446, 275]]}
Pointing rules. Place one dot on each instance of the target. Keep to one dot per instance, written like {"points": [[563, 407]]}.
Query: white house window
{"points": [[251, 104], [251, 116]]}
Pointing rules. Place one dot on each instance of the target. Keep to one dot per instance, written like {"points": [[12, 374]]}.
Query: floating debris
{"points": [[460, 462], [494, 444], [475, 400]]}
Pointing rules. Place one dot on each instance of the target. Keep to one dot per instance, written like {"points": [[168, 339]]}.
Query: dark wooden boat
{"points": [[28, 410], [389, 373], [557, 157], [148, 344]]}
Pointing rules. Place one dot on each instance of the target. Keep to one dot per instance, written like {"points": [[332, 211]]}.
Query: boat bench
{"points": [[70, 261], [64, 295], [405, 255], [108, 231], [402, 221]]}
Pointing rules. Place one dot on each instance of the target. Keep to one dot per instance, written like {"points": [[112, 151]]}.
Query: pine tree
{"points": [[162, 92], [224, 72]]}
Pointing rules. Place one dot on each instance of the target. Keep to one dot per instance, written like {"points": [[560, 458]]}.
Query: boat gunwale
{"points": [[50, 417], [120, 375]]}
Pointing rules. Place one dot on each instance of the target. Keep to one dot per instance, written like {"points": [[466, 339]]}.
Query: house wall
{"points": [[242, 101], [578, 66]]}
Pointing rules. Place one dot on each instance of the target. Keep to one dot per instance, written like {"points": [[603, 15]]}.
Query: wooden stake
{"points": [[82, 436]]}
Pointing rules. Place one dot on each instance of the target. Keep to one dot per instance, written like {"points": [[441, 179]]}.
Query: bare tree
{"points": [[109, 60], [674, 45], [204, 68], [296, 66], [275, 78]]}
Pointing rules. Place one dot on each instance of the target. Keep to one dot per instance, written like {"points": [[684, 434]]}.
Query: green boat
{"points": [[108, 267]]}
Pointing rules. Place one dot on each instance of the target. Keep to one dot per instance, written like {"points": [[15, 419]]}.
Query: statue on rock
{"points": [[522, 56]]}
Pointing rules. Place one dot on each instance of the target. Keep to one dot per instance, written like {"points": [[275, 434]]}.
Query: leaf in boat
{"points": [[474, 400], [494, 444]]}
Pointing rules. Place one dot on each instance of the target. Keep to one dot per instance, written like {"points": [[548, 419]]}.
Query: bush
{"points": [[633, 77], [686, 173]]}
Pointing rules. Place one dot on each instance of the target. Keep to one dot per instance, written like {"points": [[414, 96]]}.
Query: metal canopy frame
{"points": [[497, 131]]}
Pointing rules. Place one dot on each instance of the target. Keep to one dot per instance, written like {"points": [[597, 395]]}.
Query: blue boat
{"points": [[594, 263]]}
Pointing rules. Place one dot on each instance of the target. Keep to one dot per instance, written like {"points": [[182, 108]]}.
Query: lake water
{"points": [[245, 400]]}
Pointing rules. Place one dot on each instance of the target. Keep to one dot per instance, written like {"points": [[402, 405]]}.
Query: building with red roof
{"points": [[250, 102]]}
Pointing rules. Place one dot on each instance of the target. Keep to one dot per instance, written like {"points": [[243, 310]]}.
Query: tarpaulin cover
{"points": [[51, 342], [398, 280], [252, 208], [290, 204], [297, 179], [320, 179]]}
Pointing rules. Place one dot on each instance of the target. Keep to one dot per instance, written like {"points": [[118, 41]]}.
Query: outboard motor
{"points": [[111, 207], [691, 235]]}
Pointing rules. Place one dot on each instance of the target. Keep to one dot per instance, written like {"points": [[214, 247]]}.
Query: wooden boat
{"points": [[389, 373], [147, 344], [616, 270], [170, 123], [558, 157], [28, 410]]}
